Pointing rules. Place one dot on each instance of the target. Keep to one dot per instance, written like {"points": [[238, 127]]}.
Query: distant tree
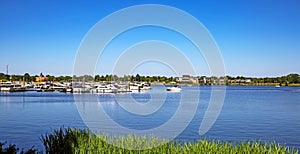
{"points": [[154, 78], [50, 77], [241, 77], [41, 74], [27, 77], [162, 79], [138, 78], [108, 78], [229, 77], [142, 78], [115, 78], [4, 77], [293, 78], [86, 78], [102, 78], [13, 78], [32, 78], [132, 78], [68, 78], [97, 78]]}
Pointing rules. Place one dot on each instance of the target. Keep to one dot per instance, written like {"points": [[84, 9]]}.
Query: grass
{"points": [[13, 149], [67, 140]]}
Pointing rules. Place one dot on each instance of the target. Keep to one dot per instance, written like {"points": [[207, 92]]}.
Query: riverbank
{"points": [[67, 140]]}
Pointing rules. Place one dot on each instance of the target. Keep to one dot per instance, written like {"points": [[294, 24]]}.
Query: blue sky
{"points": [[256, 38]]}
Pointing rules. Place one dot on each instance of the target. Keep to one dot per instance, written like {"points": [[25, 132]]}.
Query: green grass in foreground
{"points": [[67, 140]]}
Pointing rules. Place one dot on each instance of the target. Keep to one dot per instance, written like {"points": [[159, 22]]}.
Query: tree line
{"points": [[97, 78], [288, 79], [32, 78]]}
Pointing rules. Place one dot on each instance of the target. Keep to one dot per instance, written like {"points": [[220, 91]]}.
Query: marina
{"points": [[76, 87]]}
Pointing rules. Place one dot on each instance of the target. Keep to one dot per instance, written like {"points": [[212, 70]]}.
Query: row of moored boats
{"points": [[80, 87], [75, 87]]}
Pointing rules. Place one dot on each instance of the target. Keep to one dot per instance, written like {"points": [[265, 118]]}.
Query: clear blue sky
{"points": [[256, 38]]}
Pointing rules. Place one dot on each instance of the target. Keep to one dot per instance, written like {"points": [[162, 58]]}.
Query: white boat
{"points": [[139, 86], [146, 86], [38, 87], [9, 87], [134, 87], [6, 88], [69, 90], [174, 89], [18, 87], [80, 90], [105, 89], [111, 89], [277, 86], [99, 89]]}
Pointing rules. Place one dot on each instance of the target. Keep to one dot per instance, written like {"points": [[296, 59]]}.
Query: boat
{"points": [[58, 87], [6, 87], [18, 87], [69, 89], [135, 87], [277, 86], [174, 89], [104, 89], [146, 86], [111, 89], [10, 87]]}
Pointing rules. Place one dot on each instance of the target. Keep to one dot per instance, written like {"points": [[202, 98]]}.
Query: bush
{"points": [[12, 149]]}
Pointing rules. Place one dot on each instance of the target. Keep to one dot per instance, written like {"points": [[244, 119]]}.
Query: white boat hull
{"points": [[174, 89]]}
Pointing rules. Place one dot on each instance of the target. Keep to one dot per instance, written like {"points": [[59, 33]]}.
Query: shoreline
{"points": [[72, 140]]}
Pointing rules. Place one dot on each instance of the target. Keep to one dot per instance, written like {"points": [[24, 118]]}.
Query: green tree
{"points": [[27, 77], [108, 78], [4, 77], [68, 78], [51, 78], [97, 78], [138, 78], [102, 78], [32, 78], [293, 78]]}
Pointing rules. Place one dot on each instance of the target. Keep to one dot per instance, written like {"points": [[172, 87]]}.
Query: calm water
{"points": [[249, 113]]}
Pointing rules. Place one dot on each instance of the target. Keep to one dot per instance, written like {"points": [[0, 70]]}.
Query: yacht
{"points": [[174, 89], [9, 87], [6, 87], [18, 87]]}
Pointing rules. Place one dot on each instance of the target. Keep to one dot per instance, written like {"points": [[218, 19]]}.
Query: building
{"points": [[187, 80], [41, 79]]}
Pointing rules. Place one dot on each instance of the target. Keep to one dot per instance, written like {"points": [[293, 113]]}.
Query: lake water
{"points": [[248, 113]]}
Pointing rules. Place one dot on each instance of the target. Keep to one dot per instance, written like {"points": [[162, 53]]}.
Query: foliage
{"points": [[283, 80], [12, 149], [82, 141]]}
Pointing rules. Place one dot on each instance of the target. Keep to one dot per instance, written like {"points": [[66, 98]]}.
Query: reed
{"points": [[13, 149], [67, 140]]}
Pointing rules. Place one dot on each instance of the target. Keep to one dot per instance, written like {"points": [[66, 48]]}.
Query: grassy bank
{"points": [[67, 140], [81, 141]]}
